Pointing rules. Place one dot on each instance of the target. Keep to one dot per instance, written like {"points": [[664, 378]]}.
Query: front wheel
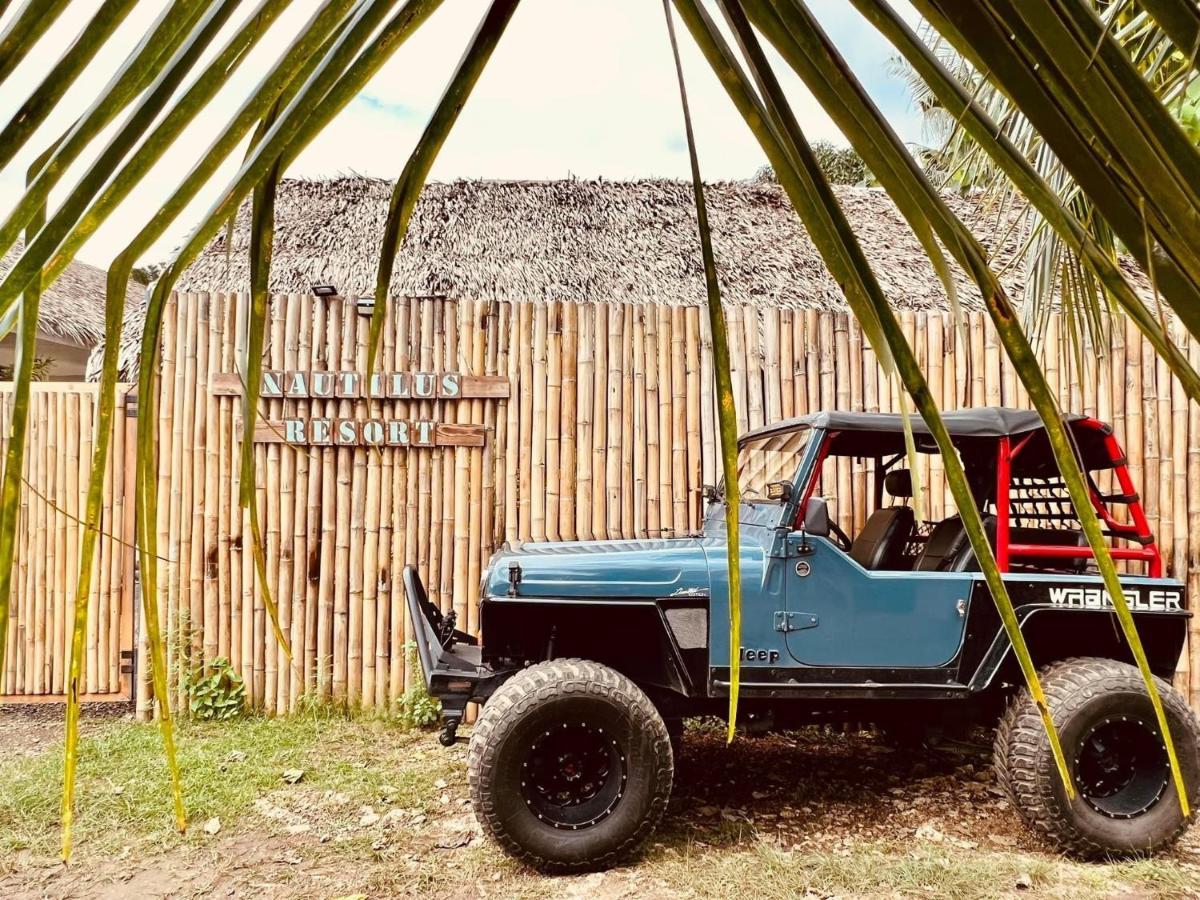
{"points": [[1125, 803], [569, 766]]}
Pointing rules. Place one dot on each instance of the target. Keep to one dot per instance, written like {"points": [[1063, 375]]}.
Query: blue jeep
{"points": [[593, 653]]}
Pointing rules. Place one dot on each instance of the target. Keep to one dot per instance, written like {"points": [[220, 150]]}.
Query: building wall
{"points": [[69, 359]]}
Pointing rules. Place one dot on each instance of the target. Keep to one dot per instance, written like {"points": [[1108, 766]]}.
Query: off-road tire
{"points": [[1080, 693], [544, 695]]}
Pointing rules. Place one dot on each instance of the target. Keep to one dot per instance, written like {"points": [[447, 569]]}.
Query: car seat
{"points": [[882, 541]]}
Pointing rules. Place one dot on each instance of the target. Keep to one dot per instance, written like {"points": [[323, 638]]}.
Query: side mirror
{"points": [[709, 493], [816, 517]]}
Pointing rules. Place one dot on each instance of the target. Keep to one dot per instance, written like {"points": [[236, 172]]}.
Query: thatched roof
{"points": [[72, 309], [584, 240], [576, 240]]}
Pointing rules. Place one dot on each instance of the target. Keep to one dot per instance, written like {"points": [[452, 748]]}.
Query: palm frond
{"points": [[775, 127], [420, 161], [803, 44], [1096, 255], [726, 413], [27, 25], [140, 68], [32, 113]]}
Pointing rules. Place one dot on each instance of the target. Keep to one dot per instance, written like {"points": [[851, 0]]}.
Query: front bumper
{"points": [[450, 659]]}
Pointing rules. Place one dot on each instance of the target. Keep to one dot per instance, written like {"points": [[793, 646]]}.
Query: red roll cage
{"points": [[1008, 449]]}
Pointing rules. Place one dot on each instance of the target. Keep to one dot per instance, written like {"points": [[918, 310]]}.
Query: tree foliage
{"points": [[841, 165]]}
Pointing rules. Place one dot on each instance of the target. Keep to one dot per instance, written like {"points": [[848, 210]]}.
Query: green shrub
{"points": [[416, 709], [215, 691]]}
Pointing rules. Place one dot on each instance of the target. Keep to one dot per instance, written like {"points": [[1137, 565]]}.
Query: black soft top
{"points": [[984, 421], [875, 434]]}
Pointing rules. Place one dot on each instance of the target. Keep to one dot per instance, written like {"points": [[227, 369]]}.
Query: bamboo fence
{"points": [[608, 432], [50, 531]]}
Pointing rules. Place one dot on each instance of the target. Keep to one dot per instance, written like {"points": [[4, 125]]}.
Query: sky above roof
{"points": [[581, 88]]}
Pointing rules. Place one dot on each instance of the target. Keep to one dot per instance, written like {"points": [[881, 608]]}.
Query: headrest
{"points": [[898, 483]]}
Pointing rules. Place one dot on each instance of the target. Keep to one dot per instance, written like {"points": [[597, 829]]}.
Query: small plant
{"points": [[416, 709], [215, 691]]}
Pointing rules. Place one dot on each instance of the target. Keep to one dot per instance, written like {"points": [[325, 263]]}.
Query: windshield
{"points": [[768, 459]]}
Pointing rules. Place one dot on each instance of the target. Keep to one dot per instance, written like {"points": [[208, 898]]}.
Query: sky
{"points": [[582, 88]]}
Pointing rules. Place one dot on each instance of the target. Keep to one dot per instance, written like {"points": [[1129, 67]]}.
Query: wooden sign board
{"points": [[318, 385], [319, 432]]}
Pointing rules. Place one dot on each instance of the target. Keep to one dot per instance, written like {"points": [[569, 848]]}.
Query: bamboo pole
{"points": [[694, 476], [403, 511], [654, 520], [679, 498], [600, 424], [640, 511], [225, 499], [306, 525], [708, 408], [613, 476], [570, 409], [625, 461], [554, 369], [462, 467], [666, 512], [584, 432], [447, 346], [538, 500], [526, 392]]}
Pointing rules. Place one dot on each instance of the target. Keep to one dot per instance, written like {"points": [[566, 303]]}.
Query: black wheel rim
{"points": [[1122, 768], [573, 775]]}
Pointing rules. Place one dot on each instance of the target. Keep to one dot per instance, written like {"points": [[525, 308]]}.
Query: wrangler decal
{"points": [[1098, 598]]}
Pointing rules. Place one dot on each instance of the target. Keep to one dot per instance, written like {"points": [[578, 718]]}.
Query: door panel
{"points": [[840, 614]]}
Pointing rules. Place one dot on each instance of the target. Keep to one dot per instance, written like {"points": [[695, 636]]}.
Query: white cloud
{"points": [[583, 87]]}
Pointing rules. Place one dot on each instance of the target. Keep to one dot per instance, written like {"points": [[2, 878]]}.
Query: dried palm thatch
{"points": [[583, 241], [72, 308]]}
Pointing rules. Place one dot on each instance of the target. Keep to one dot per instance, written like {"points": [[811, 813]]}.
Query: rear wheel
{"points": [[569, 766], [1126, 803]]}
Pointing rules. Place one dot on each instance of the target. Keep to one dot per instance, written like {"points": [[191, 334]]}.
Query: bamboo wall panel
{"points": [[49, 533], [608, 432]]}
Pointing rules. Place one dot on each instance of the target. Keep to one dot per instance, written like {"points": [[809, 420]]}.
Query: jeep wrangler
{"points": [[593, 653]]}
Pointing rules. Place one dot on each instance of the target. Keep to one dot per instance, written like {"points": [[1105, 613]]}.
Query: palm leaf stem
{"points": [[412, 179], [726, 412], [325, 93], [322, 23], [14, 457]]}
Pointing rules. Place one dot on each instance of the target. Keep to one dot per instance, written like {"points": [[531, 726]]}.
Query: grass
{"points": [[380, 810], [124, 796]]}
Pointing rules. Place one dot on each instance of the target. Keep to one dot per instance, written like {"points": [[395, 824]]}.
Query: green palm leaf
{"points": [[83, 49], [141, 67], [726, 413], [27, 25], [967, 111], [804, 45], [408, 186], [801, 177]]}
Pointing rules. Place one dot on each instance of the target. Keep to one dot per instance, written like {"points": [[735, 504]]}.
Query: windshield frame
{"points": [[795, 475]]}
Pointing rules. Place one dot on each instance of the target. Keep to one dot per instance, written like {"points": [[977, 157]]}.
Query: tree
{"points": [[1097, 103], [840, 165]]}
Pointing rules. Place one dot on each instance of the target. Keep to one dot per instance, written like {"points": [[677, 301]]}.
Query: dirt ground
{"points": [[381, 813]]}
